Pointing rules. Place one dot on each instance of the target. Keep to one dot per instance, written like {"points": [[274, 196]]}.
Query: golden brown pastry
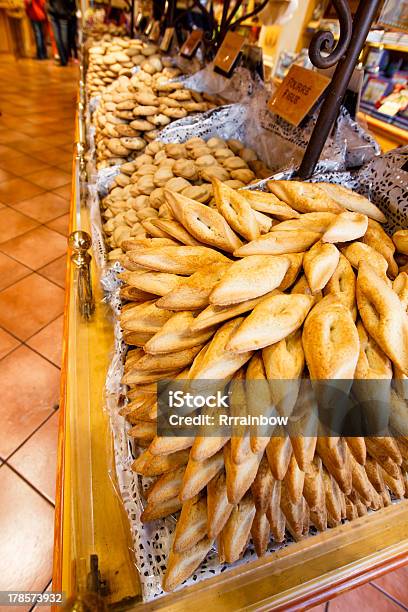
{"points": [[268, 203], [204, 223], [272, 320], [193, 292], [383, 315], [304, 197], [235, 208], [279, 243], [319, 265], [249, 278], [330, 340], [346, 227], [352, 201], [400, 239]]}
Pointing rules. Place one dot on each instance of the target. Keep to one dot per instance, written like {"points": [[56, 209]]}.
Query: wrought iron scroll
{"points": [[353, 35]]}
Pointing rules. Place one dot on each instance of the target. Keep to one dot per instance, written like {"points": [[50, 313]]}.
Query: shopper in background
{"points": [[35, 10], [60, 12]]}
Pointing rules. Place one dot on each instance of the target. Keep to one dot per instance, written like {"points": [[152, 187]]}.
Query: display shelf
{"points": [[90, 518], [388, 135], [388, 46]]}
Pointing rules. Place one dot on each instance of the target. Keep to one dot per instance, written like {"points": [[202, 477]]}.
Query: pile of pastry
{"points": [[133, 110], [323, 295], [136, 205], [109, 59]]}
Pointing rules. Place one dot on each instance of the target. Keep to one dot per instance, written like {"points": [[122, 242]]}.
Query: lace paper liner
{"points": [[384, 181]]}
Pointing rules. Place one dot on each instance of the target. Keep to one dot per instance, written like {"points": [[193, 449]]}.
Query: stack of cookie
{"points": [[132, 111], [323, 295], [109, 59], [136, 206]]}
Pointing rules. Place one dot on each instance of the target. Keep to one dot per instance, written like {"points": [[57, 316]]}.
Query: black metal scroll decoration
{"points": [[345, 54], [324, 41]]}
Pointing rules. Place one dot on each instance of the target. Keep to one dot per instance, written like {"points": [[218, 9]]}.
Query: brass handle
{"points": [[79, 243]]}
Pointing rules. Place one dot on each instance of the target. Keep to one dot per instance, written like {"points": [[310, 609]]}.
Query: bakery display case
{"points": [[156, 193]]}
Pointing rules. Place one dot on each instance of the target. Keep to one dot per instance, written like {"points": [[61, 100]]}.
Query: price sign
{"points": [[297, 93], [228, 53], [192, 43], [155, 32], [167, 39]]}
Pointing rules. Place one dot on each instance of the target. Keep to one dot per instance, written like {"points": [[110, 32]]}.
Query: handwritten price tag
{"points": [[190, 46], [228, 53], [167, 39], [297, 93]]}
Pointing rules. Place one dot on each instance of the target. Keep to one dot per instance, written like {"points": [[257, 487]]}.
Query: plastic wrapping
{"points": [[385, 182]]}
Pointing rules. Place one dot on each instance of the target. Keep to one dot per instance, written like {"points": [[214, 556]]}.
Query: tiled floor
{"points": [[36, 138]]}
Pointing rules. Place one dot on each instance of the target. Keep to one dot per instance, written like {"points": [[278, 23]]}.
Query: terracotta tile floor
{"points": [[36, 140], [36, 128]]}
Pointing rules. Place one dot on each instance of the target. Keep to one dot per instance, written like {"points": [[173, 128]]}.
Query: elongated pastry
{"points": [[143, 430], [264, 222], [236, 209], [140, 377], [258, 402], [352, 201], [234, 536], [166, 487], [279, 243], [202, 222], [176, 230], [198, 474], [268, 203], [151, 465], [279, 452], [192, 524], [135, 243], [181, 565], [164, 445], [217, 314], [400, 286], [219, 361], [400, 239], [303, 426], [357, 448], [294, 481], [218, 506], [275, 515], [319, 265], [374, 371], [294, 513], [131, 294], [313, 487], [313, 222], [284, 363], [330, 340], [262, 485], [168, 361], [194, 291], [346, 227], [184, 260], [304, 197], [376, 237], [295, 265], [342, 284], [240, 476], [383, 315], [270, 321], [260, 533], [358, 252], [175, 335], [145, 318], [156, 510], [249, 278]]}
